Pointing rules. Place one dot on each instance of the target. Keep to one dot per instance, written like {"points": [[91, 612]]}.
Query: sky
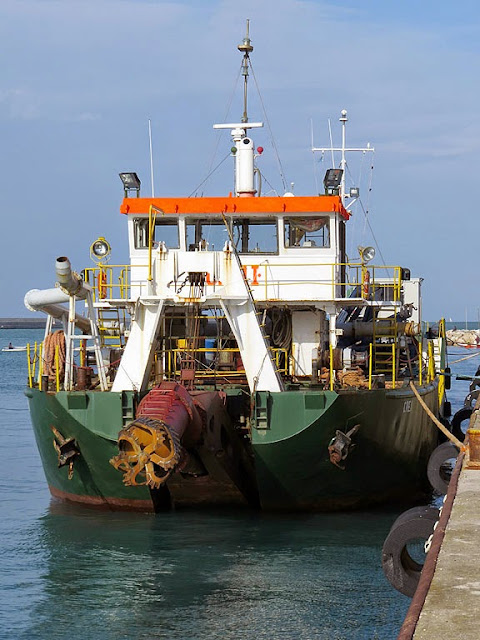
{"points": [[81, 78]]}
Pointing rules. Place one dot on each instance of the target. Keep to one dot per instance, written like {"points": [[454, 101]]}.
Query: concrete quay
{"points": [[452, 605], [447, 601]]}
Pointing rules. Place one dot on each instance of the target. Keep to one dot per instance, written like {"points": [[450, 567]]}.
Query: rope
{"points": [[460, 446], [57, 338], [473, 355]]}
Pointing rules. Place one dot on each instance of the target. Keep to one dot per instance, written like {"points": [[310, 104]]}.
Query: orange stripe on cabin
{"points": [[236, 206]]}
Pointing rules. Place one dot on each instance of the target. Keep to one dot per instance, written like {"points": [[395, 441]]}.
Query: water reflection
{"points": [[213, 575]]}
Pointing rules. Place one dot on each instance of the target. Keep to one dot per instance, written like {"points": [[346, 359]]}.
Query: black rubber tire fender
{"points": [[400, 569], [424, 511], [439, 456], [448, 378], [461, 415], [471, 399]]}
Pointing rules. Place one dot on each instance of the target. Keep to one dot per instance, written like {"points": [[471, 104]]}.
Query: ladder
{"points": [[111, 321], [385, 333]]}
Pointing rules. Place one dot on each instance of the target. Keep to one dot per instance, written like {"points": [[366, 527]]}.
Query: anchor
{"points": [[66, 449], [341, 445]]}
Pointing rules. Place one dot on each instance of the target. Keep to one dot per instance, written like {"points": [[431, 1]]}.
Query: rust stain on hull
{"points": [[102, 502]]}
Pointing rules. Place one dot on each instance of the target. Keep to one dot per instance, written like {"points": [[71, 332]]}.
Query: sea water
{"points": [[71, 572]]}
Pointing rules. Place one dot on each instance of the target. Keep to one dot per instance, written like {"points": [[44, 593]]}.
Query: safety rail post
{"points": [[441, 328], [393, 364], [370, 366], [420, 359], [40, 366], [431, 362], [57, 368], [331, 367], [29, 366], [35, 357]]}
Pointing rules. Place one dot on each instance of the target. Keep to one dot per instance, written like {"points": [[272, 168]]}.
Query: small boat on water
{"points": [[239, 358], [12, 349]]}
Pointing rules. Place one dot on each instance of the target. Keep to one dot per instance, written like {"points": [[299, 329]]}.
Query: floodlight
{"points": [[333, 178], [100, 249], [354, 192], [131, 182], [366, 254]]}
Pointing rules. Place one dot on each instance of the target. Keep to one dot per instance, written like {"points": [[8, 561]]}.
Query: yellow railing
{"points": [[109, 281], [174, 357], [114, 281], [367, 279]]}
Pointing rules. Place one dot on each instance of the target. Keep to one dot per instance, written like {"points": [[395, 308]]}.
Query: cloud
{"points": [[84, 76]]}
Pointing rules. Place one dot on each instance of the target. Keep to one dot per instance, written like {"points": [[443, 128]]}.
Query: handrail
{"points": [[101, 278], [172, 368], [152, 217]]}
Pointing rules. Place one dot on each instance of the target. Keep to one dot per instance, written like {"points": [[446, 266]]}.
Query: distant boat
{"points": [[12, 348]]}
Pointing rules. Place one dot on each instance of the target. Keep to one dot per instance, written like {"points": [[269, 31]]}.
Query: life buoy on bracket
{"points": [[366, 284], [102, 284]]}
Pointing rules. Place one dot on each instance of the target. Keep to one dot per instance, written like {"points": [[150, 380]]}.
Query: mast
{"points": [[245, 47], [244, 149]]}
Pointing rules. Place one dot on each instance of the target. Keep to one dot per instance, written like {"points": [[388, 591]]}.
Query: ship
{"points": [[239, 358]]}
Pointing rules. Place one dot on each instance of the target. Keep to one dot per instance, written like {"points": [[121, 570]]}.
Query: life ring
{"points": [[400, 568], [461, 415], [102, 284], [366, 284], [438, 475]]}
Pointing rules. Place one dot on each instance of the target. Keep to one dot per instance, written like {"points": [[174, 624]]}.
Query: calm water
{"points": [[77, 573]]}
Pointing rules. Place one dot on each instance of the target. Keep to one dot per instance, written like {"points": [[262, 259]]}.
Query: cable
{"points": [[282, 175], [211, 173]]}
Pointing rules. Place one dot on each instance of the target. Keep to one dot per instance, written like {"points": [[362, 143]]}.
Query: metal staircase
{"points": [[385, 332], [111, 321]]}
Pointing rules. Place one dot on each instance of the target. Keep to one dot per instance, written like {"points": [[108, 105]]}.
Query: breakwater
{"points": [[465, 337]]}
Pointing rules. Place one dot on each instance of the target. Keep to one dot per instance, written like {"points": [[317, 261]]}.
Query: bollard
{"points": [[45, 381], [474, 447]]}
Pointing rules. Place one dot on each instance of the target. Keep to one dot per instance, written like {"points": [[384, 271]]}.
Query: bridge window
{"points": [[255, 236], [206, 235], [307, 232], [165, 231], [249, 236]]}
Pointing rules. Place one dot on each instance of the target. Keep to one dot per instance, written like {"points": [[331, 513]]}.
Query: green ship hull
{"points": [[288, 448]]}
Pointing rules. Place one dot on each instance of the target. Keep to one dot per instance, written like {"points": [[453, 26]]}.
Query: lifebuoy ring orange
{"points": [[366, 284]]}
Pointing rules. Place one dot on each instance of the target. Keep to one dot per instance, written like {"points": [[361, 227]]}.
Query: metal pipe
{"points": [[48, 301], [51, 301], [68, 280]]}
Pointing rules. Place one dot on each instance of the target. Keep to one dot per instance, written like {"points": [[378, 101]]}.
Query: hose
{"points": [[57, 338], [281, 328]]}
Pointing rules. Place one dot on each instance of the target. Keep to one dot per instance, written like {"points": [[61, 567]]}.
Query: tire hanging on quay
{"points": [[400, 568], [438, 473]]}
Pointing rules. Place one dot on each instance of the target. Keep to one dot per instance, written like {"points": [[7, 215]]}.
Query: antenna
{"points": [[343, 150], [246, 48], [151, 156]]}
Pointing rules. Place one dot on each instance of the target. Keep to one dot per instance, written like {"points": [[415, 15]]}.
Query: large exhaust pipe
{"points": [[51, 301]]}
